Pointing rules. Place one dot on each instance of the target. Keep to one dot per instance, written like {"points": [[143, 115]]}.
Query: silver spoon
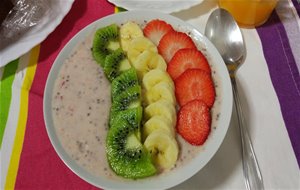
{"points": [[225, 34]]}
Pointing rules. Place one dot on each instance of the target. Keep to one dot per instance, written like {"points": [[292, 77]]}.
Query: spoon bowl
{"points": [[225, 34]]}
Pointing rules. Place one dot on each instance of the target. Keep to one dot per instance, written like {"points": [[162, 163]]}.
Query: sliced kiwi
{"points": [[133, 116], [125, 153], [124, 81], [106, 40], [130, 98], [115, 63]]}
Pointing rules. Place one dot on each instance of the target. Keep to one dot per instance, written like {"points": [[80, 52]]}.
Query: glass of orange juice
{"points": [[249, 13]]}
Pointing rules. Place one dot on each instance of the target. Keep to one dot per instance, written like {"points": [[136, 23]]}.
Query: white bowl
{"points": [[222, 107]]}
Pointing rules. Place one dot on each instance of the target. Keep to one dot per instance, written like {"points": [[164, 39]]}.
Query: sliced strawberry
{"points": [[194, 84], [155, 29], [173, 41], [186, 59], [194, 122]]}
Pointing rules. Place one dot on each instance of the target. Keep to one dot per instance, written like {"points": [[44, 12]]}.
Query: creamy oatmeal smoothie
{"points": [[81, 105]]}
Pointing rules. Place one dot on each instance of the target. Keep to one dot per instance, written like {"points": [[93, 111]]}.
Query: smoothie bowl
{"points": [[126, 125]]}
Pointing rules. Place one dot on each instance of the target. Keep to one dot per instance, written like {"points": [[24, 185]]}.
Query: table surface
{"points": [[268, 81]]}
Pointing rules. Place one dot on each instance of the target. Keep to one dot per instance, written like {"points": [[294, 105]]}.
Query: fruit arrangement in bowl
{"points": [[143, 66], [138, 99]]}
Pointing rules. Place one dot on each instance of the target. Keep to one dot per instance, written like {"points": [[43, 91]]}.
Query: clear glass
{"points": [[249, 13]]}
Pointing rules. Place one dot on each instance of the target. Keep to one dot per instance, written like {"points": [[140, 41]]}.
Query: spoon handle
{"points": [[253, 177]]}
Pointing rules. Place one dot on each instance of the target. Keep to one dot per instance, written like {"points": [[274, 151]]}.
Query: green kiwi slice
{"points": [[125, 153], [106, 40], [115, 63], [124, 81], [133, 116], [129, 98]]}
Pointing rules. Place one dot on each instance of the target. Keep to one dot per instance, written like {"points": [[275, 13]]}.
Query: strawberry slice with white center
{"points": [[156, 29], [194, 122], [173, 41], [187, 59], [195, 84]]}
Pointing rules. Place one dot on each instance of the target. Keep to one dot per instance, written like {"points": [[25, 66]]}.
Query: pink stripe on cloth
{"points": [[40, 167]]}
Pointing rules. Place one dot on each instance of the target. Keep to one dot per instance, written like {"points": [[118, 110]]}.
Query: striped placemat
{"points": [[280, 38], [28, 159]]}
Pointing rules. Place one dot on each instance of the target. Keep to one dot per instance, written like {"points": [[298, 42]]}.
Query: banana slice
{"points": [[138, 46], [128, 32], [163, 148], [161, 90], [162, 108], [158, 122], [156, 76], [147, 61]]}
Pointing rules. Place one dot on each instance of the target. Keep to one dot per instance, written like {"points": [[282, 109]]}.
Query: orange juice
{"points": [[249, 13]]}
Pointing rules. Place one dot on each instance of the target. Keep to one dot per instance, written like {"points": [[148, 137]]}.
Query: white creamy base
{"points": [[81, 105]]}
